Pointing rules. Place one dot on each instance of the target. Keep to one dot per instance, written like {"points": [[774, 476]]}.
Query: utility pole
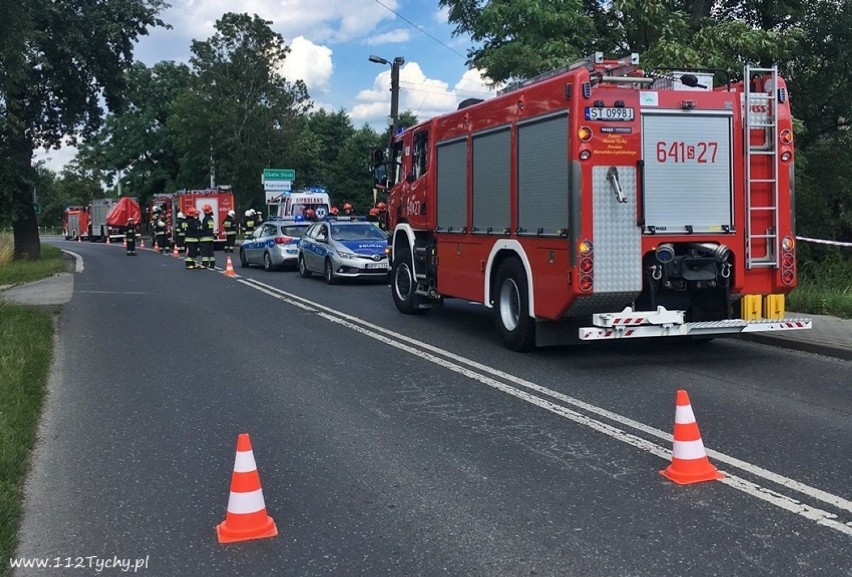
{"points": [[393, 119]]}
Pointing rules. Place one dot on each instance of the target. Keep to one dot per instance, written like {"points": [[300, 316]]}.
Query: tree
{"points": [[241, 114], [137, 140], [521, 38], [332, 130], [57, 61], [352, 178]]}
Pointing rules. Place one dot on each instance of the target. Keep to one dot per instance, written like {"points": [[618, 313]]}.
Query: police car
{"points": [[274, 244], [344, 249]]}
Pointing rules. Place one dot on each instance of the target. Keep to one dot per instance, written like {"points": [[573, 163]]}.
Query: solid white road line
{"points": [[420, 349], [78, 260]]}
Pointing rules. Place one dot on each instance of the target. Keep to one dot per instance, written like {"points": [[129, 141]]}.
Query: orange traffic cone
{"points": [[689, 460], [142, 243], [229, 268], [124, 242], [246, 518], [107, 240], [175, 251], [156, 246]]}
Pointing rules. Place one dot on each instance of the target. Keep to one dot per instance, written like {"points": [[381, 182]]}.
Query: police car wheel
{"points": [[243, 260], [329, 272], [267, 262], [511, 307], [303, 267]]}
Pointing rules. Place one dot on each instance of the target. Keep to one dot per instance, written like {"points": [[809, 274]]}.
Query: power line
{"points": [[420, 29]]}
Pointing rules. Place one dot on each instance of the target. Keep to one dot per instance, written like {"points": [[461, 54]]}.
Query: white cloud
{"points": [[328, 20], [310, 63], [55, 160], [392, 37], [442, 15], [426, 97]]}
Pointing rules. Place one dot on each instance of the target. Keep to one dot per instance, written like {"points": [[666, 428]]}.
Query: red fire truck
{"points": [[221, 199], [602, 201], [75, 222]]}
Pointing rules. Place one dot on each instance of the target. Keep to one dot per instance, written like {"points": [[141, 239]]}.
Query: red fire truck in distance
{"points": [[75, 222], [220, 199], [601, 201]]}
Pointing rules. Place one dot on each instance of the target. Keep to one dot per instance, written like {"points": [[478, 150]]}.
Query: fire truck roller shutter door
{"points": [[452, 185], [688, 179], [491, 163], [543, 190]]}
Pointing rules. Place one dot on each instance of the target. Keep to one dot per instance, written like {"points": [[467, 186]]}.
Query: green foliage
{"points": [[26, 343], [58, 62]]}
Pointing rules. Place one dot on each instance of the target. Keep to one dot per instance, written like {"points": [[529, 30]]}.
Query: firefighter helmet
{"points": [[231, 213], [374, 211], [347, 206], [207, 209], [191, 211], [131, 220], [248, 213], [382, 206], [334, 210], [157, 208], [253, 211], [310, 213], [181, 215]]}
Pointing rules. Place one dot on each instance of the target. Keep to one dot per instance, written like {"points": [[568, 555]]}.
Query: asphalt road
{"points": [[396, 445]]}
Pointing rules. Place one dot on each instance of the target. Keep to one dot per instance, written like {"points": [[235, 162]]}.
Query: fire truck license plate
{"points": [[608, 113]]}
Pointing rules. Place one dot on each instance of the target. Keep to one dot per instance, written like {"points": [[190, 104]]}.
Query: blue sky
{"points": [[331, 41]]}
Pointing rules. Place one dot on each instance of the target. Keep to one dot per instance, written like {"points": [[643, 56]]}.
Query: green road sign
{"points": [[37, 207], [279, 174]]}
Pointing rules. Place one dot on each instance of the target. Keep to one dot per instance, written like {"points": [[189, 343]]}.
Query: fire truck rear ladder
{"points": [[769, 122]]}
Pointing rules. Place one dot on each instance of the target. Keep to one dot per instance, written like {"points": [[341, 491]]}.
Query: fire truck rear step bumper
{"points": [[662, 323]]}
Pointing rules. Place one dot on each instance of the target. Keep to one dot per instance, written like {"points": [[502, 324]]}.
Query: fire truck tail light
{"points": [[584, 133], [786, 156], [585, 247], [787, 277], [788, 243], [786, 137], [586, 283], [586, 265], [789, 260], [585, 154]]}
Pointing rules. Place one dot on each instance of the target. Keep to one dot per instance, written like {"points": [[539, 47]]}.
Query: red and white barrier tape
{"points": [[831, 242]]}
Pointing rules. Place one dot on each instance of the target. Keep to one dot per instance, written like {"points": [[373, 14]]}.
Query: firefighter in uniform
{"points": [[333, 211], [130, 237], [347, 209], [374, 215], [248, 224], [383, 215], [230, 226], [161, 230], [180, 232], [193, 232], [208, 235], [258, 217]]}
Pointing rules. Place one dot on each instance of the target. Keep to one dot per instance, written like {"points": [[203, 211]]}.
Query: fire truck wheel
{"points": [[243, 260], [328, 272], [403, 285], [511, 307], [304, 272]]}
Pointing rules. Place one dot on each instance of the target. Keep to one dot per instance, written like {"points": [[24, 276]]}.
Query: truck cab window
{"points": [[397, 161], [421, 147]]}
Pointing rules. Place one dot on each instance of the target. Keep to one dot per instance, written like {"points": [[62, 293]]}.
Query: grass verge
{"points": [[26, 347], [18, 271], [825, 288]]}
